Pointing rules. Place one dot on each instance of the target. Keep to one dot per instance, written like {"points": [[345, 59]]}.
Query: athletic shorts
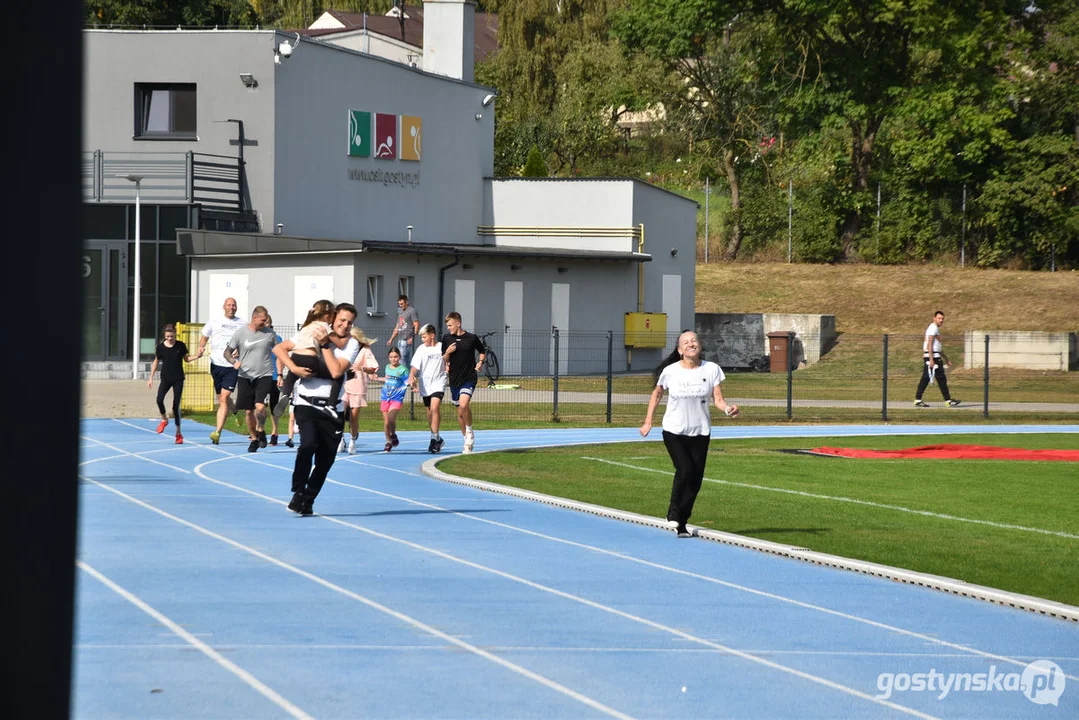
{"points": [[275, 395], [387, 405], [457, 392], [248, 390], [354, 400], [427, 398], [225, 377]]}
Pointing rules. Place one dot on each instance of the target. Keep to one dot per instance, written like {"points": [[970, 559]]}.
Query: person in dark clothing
{"points": [[171, 354], [459, 351]]}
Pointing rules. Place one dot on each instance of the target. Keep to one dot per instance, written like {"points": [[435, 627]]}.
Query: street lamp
{"points": [[137, 179]]}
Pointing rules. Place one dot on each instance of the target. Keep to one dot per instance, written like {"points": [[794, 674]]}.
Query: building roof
{"points": [[486, 27], [231, 244]]}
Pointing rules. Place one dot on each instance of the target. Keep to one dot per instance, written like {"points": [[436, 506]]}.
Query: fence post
{"points": [[707, 194], [554, 411], [985, 380], [610, 371], [790, 372], [411, 405], [884, 384]]}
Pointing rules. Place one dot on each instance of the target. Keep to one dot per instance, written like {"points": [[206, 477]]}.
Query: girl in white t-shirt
{"points": [[687, 421], [428, 377]]}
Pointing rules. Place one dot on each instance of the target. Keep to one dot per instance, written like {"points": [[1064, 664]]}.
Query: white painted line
{"points": [[957, 587], [248, 679], [853, 501], [513, 667]]}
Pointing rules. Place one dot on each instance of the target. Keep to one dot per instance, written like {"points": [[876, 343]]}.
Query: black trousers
{"points": [[320, 433], [177, 387], [941, 379], [689, 453]]}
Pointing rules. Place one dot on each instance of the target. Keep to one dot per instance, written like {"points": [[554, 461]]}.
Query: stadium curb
{"points": [[910, 577]]}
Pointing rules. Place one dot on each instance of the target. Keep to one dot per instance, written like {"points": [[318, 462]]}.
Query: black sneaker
{"points": [[389, 446], [919, 403], [296, 503], [394, 440], [289, 443], [261, 435], [953, 403], [683, 532], [308, 507], [431, 446], [273, 440], [439, 442], [253, 446]]}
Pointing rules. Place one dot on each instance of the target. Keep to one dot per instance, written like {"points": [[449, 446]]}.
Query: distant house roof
{"points": [[486, 26]]}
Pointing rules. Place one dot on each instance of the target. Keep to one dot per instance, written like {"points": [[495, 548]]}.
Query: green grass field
{"points": [[750, 485]]}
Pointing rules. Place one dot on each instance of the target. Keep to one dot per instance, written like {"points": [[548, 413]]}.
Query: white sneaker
{"points": [[341, 445], [352, 446], [470, 441]]}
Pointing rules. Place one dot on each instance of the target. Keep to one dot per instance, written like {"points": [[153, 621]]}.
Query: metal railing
{"points": [[213, 181]]}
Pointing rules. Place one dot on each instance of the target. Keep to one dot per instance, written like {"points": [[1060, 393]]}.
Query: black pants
{"points": [[942, 381], [689, 453], [177, 387], [320, 433]]}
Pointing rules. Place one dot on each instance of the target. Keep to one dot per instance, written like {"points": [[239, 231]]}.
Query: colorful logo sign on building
{"points": [[383, 143]]}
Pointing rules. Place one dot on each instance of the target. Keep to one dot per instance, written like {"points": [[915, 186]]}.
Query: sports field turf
{"points": [[1005, 524]]}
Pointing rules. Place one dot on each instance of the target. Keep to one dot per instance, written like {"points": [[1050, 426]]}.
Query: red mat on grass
{"points": [[954, 452]]}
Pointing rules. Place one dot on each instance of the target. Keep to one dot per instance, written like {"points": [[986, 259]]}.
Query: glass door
{"points": [[105, 283]]}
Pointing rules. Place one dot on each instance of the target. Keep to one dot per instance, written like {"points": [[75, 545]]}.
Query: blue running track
{"points": [[200, 596]]}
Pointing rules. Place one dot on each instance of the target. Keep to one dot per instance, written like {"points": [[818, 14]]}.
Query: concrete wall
{"points": [[1022, 349], [740, 340], [317, 193]]}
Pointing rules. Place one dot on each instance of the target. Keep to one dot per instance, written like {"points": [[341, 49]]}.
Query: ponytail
{"points": [[671, 359]]}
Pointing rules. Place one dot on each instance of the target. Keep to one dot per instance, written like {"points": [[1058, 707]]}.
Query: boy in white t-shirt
{"points": [[934, 363], [428, 377]]}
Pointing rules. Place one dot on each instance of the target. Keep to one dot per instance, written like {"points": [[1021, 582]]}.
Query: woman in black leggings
{"points": [[687, 421], [172, 354]]}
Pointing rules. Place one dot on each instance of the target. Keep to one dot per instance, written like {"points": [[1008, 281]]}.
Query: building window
{"points": [[405, 284], [165, 111], [374, 295]]}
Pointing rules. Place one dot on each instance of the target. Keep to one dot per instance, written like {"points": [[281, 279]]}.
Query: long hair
{"points": [[671, 359], [321, 310]]}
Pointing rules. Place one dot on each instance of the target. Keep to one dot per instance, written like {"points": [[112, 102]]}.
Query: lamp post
{"points": [[135, 330]]}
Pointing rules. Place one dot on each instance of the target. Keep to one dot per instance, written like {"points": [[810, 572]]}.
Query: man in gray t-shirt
{"points": [[251, 352], [408, 324]]}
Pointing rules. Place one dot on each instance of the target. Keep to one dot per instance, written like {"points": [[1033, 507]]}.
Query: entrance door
{"points": [[104, 272]]}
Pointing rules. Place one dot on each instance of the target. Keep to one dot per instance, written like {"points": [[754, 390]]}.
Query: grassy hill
{"points": [[873, 299]]}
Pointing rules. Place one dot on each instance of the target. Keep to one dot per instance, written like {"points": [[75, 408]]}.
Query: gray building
{"points": [[279, 170]]}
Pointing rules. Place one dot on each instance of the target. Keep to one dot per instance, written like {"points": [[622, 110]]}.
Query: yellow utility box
{"points": [[198, 385], [646, 330]]}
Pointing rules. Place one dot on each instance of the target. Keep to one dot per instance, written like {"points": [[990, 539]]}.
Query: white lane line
{"points": [[686, 573], [853, 501], [513, 667], [553, 591], [248, 679], [125, 453]]}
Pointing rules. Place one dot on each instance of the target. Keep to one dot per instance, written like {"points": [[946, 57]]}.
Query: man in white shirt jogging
{"points": [[934, 362], [224, 373]]}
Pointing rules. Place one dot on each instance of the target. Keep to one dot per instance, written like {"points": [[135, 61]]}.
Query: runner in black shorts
{"points": [[459, 351]]}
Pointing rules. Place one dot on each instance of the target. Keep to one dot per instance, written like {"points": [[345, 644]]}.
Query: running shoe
{"points": [[352, 446], [261, 436], [439, 442], [253, 446], [431, 446], [308, 507], [215, 437], [953, 403], [683, 532], [394, 440], [161, 426], [296, 504], [289, 443], [341, 445], [389, 446], [470, 441], [919, 403], [273, 440], [179, 439]]}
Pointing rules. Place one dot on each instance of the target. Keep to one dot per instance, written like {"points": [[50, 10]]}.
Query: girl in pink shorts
{"points": [[393, 396], [365, 367]]}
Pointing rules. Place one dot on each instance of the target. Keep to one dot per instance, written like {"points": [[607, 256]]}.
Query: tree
{"points": [[534, 167]]}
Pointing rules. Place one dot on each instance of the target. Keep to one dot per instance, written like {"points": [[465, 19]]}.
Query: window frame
{"points": [[144, 93], [374, 295], [406, 284]]}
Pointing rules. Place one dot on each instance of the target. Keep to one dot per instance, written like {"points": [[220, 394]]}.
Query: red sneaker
{"points": [[179, 439], [161, 426]]}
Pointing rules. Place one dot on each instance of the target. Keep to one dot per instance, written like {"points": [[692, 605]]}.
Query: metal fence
{"points": [[592, 379]]}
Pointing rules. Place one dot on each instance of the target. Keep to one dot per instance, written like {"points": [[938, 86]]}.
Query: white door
{"points": [[228, 286], [560, 320], [512, 319], [672, 306], [307, 290], [464, 302]]}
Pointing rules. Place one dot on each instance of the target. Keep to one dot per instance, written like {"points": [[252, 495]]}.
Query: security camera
{"points": [[285, 48]]}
